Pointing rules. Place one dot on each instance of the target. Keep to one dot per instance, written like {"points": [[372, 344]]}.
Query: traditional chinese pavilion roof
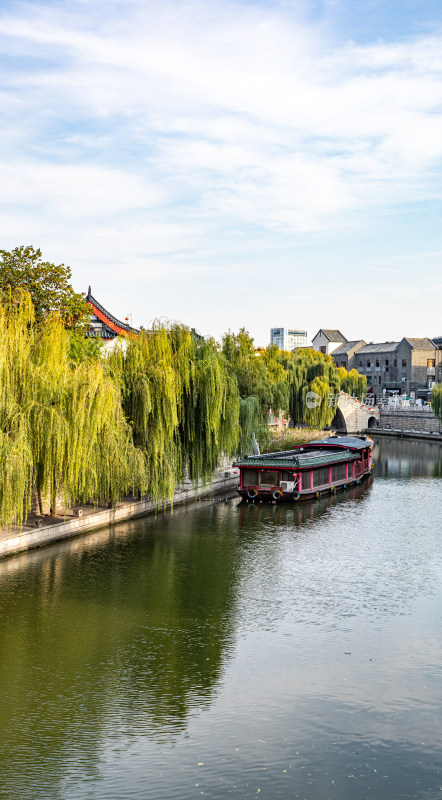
{"points": [[116, 325]]}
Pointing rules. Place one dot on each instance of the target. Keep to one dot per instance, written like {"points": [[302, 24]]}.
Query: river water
{"points": [[234, 651]]}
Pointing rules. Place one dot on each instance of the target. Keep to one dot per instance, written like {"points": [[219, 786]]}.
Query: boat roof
{"points": [[352, 442], [314, 454], [293, 459]]}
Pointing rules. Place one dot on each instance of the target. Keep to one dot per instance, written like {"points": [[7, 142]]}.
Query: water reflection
{"points": [[125, 630], [231, 648], [406, 458]]}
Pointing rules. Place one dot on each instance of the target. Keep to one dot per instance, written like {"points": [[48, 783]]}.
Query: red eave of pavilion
{"points": [[107, 321]]}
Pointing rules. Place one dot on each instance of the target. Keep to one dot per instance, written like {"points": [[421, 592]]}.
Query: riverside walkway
{"points": [[39, 531]]}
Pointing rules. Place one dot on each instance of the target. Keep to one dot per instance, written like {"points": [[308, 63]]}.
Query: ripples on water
{"points": [[233, 650]]}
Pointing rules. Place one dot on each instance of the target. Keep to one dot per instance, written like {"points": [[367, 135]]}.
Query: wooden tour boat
{"points": [[308, 471]]}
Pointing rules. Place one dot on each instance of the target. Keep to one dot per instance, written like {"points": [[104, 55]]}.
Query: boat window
{"points": [[268, 478], [250, 477], [338, 472], [320, 476]]}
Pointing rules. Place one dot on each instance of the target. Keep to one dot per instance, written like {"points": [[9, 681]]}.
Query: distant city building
{"points": [[327, 340], [288, 338], [408, 367], [438, 342], [345, 354]]}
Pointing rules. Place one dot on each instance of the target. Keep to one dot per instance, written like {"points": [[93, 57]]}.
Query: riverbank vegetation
{"points": [[273, 380], [436, 400], [287, 439], [77, 424]]}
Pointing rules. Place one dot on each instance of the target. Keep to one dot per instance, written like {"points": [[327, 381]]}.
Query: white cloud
{"points": [[168, 132]]}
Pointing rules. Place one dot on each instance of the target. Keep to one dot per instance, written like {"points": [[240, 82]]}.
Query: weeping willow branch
{"points": [[181, 401], [63, 431]]}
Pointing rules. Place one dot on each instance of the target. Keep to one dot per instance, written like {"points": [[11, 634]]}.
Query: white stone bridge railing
{"points": [[354, 416]]}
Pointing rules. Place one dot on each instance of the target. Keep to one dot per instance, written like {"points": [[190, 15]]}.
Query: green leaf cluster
{"points": [[270, 379], [63, 430], [182, 403], [79, 425], [49, 285], [436, 400], [261, 379]]}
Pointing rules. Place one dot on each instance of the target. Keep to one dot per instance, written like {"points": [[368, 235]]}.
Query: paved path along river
{"points": [[234, 651]]}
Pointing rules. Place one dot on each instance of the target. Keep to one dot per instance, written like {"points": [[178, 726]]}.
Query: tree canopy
{"points": [[49, 285], [271, 379], [87, 427]]}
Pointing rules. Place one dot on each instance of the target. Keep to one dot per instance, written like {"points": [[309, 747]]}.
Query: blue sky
{"points": [[231, 163]]}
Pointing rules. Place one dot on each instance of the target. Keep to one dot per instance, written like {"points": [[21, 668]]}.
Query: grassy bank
{"points": [[292, 437]]}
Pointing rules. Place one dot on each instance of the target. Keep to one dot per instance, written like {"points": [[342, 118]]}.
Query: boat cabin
{"points": [[306, 471]]}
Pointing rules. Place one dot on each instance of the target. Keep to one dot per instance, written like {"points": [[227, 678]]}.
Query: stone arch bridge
{"points": [[353, 416]]}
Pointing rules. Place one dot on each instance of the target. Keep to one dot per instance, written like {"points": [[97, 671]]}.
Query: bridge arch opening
{"points": [[338, 421], [372, 422]]}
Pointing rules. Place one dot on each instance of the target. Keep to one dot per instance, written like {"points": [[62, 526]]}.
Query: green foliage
{"points": [[182, 403], [48, 285], [436, 400], [84, 425], [77, 425], [81, 348], [353, 382], [261, 380], [248, 422], [272, 379], [62, 425], [310, 371]]}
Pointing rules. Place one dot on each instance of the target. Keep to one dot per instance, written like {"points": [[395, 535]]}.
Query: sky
{"points": [[231, 163]]}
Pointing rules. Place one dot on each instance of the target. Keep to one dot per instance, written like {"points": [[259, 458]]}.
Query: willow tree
{"points": [[436, 400], [16, 469], [182, 403], [313, 381], [353, 382], [261, 380], [63, 431]]}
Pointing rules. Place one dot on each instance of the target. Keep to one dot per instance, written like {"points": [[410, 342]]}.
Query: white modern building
{"points": [[288, 338]]}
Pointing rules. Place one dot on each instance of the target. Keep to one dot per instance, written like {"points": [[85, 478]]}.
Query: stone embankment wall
{"points": [[12, 542], [410, 419]]}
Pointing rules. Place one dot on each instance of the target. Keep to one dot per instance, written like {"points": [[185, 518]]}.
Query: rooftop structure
{"points": [[103, 323], [327, 340], [407, 367]]}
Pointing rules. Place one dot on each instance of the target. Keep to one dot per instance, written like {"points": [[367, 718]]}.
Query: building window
{"points": [[368, 363], [360, 363], [377, 362], [395, 362], [342, 363], [386, 369], [379, 380], [386, 362], [404, 362], [322, 349], [431, 363]]}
